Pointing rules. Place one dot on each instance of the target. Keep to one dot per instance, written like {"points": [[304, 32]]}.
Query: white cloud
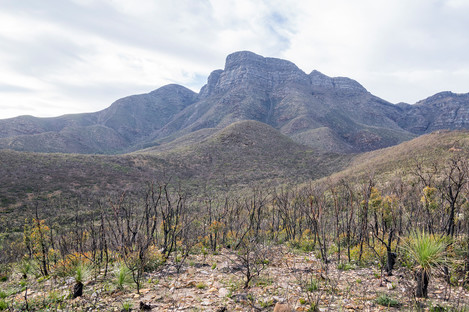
{"points": [[53, 51]]}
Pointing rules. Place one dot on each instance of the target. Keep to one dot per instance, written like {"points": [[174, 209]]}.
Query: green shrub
{"points": [[344, 266], [439, 308], [313, 285], [25, 267], [426, 250], [314, 307], [127, 306], [81, 272], [3, 305], [303, 244], [387, 301], [122, 276]]}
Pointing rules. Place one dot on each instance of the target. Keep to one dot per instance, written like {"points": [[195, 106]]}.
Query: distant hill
{"points": [[127, 123], [327, 114], [248, 151], [400, 161], [244, 154]]}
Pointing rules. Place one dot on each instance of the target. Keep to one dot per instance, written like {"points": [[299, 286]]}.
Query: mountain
{"points": [[445, 110], [327, 114], [331, 114], [125, 124]]}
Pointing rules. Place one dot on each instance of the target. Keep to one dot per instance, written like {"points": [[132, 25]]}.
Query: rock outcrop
{"points": [[444, 110]]}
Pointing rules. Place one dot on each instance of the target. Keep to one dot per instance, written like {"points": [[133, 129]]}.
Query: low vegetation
{"points": [[374, 239]]}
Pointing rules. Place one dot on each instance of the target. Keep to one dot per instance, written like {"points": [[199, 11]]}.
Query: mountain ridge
{"points": [[331, 114]]}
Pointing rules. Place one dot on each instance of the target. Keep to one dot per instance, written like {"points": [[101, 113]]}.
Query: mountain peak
{"points": [[438, 97], [211, 83], [243, 58], [250, 59], [319, 80]]}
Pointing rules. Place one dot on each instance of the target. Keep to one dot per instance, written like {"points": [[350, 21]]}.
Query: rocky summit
{"points": [[328, 114]]}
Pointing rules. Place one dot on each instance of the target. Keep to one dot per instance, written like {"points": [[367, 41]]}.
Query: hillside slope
{"points": [[400, 161], [244, 154], [248, 151]]}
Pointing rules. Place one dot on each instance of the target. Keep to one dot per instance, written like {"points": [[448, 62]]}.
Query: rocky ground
{"points": [[293, 280]]}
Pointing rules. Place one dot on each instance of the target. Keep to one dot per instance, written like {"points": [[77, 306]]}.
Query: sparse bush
{"points": [[3, 305], [122, 276], [127, 306], [314, 307], [266, 303], [313, 285], [55, 297], [344, 266], [154, 259], [386, 301]]}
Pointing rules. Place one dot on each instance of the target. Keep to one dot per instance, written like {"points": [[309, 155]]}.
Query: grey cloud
{"points": [[423, 36], [429, 36], [105, 21], [7, 88], [41, 55]]}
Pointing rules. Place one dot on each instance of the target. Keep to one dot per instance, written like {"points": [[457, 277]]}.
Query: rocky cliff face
{"points": [[330, 114], [302, 106], [321, 82], [445, 110]]}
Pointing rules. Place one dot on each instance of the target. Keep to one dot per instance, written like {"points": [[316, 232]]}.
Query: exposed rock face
{"points": [[445, 110], [329, 114], [321, 82], [278, 93]]}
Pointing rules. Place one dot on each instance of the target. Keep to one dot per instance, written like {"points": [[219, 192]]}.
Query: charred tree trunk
{"points": [[422, 284], [77, 290], [391, 260]]}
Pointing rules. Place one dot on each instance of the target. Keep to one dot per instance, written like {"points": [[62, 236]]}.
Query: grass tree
{"points": [[81, 271], [122, 276], [25, 267], [428, 251]]}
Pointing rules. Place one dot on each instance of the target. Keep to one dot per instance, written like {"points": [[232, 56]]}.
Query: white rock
{"points": [[223, 292]]}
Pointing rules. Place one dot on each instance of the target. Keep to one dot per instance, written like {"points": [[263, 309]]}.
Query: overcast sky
{"points": [[64, 56]]}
